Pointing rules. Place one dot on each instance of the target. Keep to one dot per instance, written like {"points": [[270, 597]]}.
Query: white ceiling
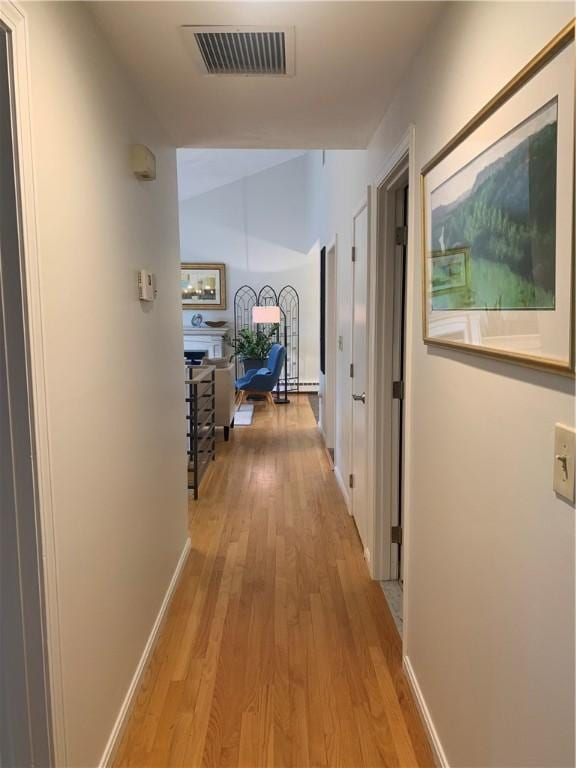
{"points": [[349, 59], [200, 170]]}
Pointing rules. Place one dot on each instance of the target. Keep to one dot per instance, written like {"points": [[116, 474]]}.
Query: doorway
{"points": [[24, 708], [400, 201], [391, 317], [328, 302], [358, 480]]}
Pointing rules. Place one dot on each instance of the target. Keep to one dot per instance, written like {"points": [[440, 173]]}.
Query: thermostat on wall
{"points": [[146, 285]]}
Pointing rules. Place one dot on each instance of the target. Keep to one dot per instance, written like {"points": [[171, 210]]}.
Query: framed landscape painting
{"points": [[498, 222], [203, 286]]}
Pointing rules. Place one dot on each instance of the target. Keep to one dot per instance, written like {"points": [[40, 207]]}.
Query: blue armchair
{"points": [[261, 381]]}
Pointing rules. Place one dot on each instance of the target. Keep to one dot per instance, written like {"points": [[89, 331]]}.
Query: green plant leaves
{"points": [[254, 344]]}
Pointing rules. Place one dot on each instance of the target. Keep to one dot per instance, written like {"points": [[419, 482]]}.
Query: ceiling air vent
{"points": [[242, 50]]}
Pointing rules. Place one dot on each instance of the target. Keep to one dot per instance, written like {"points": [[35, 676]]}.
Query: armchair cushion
{"points": [[246, 379], [260, 382]]}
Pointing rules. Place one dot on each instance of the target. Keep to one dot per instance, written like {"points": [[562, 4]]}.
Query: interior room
{"points": [[254, 209], [248, 240], [287, 384]]}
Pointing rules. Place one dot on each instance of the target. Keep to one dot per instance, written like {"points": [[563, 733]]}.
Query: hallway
{"points": [[278, 650]]}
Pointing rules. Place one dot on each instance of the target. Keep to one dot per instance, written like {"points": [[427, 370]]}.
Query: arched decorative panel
{"points": [[244, 300], [289, 302], [267, 297]]}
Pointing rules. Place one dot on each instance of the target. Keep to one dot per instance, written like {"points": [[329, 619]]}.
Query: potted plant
{"points": [[253, 347]]}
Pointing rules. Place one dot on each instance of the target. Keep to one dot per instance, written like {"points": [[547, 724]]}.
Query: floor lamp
{"points": [[272, 315]]}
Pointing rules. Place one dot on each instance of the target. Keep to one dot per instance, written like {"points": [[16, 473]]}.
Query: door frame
{"points": [[380, 356], [331, 344], [14, 19], [364, 203]]}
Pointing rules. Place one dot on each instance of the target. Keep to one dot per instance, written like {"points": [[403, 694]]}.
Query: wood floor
{"points": [[278, 649]]}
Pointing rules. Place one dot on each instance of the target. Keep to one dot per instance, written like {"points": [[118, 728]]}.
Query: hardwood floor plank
{"points": [[278, 650], [203, 712]]}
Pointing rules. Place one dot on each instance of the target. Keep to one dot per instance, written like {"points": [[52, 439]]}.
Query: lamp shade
{"points": [[265, 314]]}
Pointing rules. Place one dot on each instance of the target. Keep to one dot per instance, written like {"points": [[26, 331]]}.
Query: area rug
{"points": [[244, 415]]}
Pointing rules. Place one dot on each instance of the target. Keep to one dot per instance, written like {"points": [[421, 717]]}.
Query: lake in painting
{"points": [[494, 224]]}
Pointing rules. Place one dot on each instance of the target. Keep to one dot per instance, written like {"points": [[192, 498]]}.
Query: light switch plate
{"points": [[564, 460]]}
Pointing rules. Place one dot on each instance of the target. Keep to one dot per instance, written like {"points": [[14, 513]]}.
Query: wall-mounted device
{"points": [[146, 285], [143, 162], [564, 461]]}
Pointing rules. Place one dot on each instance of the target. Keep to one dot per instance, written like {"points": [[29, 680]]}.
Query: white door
{"points": [[359, 377]]}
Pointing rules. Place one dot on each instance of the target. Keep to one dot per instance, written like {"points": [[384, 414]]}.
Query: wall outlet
{"points": [[341, 343], [564, 459]]}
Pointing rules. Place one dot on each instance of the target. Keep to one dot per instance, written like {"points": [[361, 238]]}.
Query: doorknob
{"points": [[361, 397]]}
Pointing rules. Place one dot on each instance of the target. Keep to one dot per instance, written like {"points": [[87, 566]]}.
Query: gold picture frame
{"points": [[444, 330], [203, 286]]}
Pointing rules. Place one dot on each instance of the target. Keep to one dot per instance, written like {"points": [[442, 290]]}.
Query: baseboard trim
{"points": [[117, 731], [439, 754], [342, 486]]}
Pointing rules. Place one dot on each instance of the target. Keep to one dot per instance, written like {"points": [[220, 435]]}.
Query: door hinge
{"points": [[398, 390], [351, 481], [353, 253], [351, 370], [396, 534], [402, 235]]}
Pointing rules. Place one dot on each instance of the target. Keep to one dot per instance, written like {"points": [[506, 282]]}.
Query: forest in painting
{"points": [[500, 210]]}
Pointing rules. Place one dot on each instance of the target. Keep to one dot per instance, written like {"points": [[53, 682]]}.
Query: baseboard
{"points": [[308, 387], [342, 485], [114, 740], [439, 754]]}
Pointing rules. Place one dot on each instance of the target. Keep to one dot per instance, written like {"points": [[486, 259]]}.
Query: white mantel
{"points": [[205, 339]]}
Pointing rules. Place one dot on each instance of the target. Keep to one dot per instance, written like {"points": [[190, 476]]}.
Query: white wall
{"points": [[489, 627], [264, 228], [114, 373]]}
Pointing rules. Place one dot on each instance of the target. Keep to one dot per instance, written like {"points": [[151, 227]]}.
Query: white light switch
{"points": [[564, 454]]}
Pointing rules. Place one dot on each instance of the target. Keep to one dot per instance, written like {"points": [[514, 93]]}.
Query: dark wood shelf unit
{"points": [[200, 416]]}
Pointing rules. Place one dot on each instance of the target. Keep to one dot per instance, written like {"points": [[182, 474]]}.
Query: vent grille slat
{"points": [[237, 51], [242, 53], [270, 52], [251, 60], [260, 55], [231, 50], [214, 50], [219, 43]]}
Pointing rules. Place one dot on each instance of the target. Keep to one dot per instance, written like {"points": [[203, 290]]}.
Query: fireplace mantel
{"points": [[205, 339]]}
